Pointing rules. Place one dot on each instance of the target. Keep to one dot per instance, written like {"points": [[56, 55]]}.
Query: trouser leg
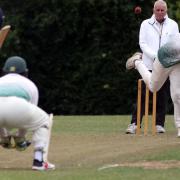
{"points": [[162, 98], [175, 92]]}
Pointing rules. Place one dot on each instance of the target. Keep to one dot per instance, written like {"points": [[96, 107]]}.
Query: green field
{"points": [[97, 148]]}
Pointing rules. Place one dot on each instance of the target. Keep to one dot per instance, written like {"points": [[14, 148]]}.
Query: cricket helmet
{"points": [[15, 64], [169, 54]]}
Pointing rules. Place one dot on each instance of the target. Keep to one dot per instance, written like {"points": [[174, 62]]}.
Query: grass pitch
{"points": [[97, 148]]}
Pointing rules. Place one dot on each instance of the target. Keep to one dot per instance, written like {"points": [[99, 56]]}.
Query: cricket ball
{"points": [[137, 10]]}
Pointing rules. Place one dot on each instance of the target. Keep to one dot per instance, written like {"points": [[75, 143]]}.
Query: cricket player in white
{"points": [[167, 64], [18, 109]]}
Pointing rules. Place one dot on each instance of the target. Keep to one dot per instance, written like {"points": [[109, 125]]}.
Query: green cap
{"points": [[169, 53], [15, 64]]}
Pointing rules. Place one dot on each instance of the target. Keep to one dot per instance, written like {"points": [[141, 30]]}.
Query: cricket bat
{"points": [[3, 34]]}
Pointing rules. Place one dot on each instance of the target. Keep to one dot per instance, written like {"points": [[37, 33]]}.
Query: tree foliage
{"points": [[76, 51]]}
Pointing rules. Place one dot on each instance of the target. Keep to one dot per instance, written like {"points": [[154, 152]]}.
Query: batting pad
{"points": [[46, 150]]}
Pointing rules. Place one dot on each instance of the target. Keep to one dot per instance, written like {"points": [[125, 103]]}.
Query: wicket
{"points": [[138, 130]]}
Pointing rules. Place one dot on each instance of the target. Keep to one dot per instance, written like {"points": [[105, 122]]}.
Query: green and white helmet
{"points": [[169, 54], [15, 64]]}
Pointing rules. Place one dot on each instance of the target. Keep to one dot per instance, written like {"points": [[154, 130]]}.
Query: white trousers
{"points": [[156, 79], [18, 113]]}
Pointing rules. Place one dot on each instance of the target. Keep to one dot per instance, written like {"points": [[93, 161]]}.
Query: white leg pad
{"points": [[46, 149]]}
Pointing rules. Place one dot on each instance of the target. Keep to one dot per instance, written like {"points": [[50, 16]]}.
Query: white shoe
{"points": [[130, 63], [160, 129], [178, 135], [49, 166], [131, 129], [42, 166]]}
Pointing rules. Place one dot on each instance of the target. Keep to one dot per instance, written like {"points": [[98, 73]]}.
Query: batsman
{"points": [[19, 111], [166, 64]]}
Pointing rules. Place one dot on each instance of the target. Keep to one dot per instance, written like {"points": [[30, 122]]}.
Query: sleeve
{"points": [[143, 42], [176, 29]]}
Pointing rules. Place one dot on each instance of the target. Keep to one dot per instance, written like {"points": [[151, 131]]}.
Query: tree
{"points": [[76, 51]]}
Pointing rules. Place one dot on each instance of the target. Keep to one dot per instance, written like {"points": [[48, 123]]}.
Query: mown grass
{"points": [[111, 130]]}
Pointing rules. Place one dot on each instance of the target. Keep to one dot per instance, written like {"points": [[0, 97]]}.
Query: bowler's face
{"points": [[160, 11]]}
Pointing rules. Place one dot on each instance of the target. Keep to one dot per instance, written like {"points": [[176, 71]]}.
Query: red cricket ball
{"points": [[137, 10]]}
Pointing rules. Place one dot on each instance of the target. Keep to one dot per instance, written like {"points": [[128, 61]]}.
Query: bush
{"points": [[76, 51]]}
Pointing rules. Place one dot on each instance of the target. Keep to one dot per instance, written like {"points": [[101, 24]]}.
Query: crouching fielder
{"points": [[167, 64], [19, 110]]}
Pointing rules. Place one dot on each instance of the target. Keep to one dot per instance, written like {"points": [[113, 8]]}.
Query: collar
{"points": [[153, 20]]}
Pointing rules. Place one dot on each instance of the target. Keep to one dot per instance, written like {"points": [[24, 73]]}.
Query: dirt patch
{"points": [[96, 150]]}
